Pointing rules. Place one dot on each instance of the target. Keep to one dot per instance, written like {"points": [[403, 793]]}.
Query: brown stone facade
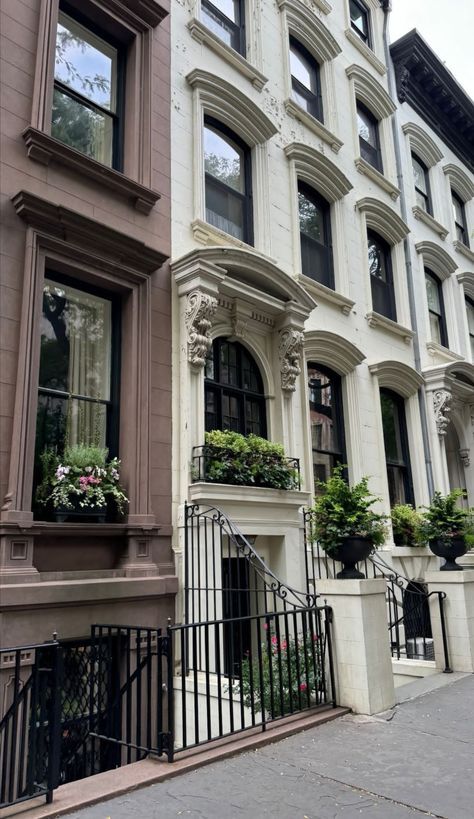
{"points": [[106, 227]]}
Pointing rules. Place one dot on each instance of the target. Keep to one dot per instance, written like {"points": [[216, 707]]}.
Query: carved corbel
{"points": [[198, 317], [464, 454], [289, 350], [442, 408]]}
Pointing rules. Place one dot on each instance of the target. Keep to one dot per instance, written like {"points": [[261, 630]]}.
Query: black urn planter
{"points": [[449, 549], [351, 551]]}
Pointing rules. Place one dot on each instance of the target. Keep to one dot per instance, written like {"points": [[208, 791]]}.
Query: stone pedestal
{"points": [[16, 558], [362, 659], [459, 617]]}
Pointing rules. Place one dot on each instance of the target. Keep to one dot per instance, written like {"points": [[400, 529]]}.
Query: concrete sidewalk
{"points": [[416, 760]]}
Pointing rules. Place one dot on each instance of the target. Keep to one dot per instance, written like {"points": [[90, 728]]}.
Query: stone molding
{"points": [[422, 144], [327, 294], [464, 455], [437, 349], [378, 320], [72, 227], [383, 219], [314, 168], [466, 278], [397, 376], [437, 259], [367, 169], [200, 310], [232, 107], [366, 51], [310, 30], [442, 408], [369, 91], [289, 350], [202, 34], [142, 13], [332, 351], [294, 110], [47, 150], [460, 181], [464, 250], [430, 221]]}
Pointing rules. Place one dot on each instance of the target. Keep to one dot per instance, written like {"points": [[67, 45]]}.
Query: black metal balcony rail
{"points": [[219, 465], [29, 726], [235, 674], [408, 600]]}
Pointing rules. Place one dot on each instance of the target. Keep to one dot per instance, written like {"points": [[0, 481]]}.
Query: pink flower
{"points": [[274, 640], [303, 686], [315, 637], [265, 626], [283, 645]]}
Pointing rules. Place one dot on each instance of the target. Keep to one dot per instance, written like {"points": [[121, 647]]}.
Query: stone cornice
{"points": [[232, 107], [332, 350], [436, 258], [378, 320], [57, 221], [436, 349], [422, 144], [370, 92], [429, 220], [383, 219], [294, 110], [427, 85], [318, 171], [47, 150], [309, 30], [202, 34], [466, 278], [141, 14], [397, 376], [366, 51], [460, 181], [326, 294], [464, 250], [367, 169]]}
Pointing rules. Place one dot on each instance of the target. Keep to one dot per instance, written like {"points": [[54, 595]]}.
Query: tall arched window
{"points": [[397, 456], [234, 397], [422, 184], [305, 80], [315, 236], [434, 295], [381, 275], [326, 419], [228, 181]]}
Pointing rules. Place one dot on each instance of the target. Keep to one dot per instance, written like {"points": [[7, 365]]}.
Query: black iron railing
{"points": [[29, 728], [219, 465]]}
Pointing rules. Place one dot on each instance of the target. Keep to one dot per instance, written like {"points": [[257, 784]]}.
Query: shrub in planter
{"points": [[287, 676], [406, 525], [232, 458], [447, 527], [81, 482]]}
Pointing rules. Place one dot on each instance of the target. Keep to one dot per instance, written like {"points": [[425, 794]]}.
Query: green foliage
{"points": [[444, 519], [290, 669], [345, 511], [81, 477], [406, 525], [232, 458]]}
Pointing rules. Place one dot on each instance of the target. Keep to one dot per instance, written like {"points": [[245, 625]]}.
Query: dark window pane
{"points": [[326, 420], [224, 210], [237, 401], [377, 259], [359, 20], [391, 429], [223, 17], [311, 218], [224, 160], [419, 174], [228, 181], [396, 448], [302, 68]]}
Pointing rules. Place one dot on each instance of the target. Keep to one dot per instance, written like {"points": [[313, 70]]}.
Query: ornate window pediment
{"points": [[383, 219], [318, 171], [396, 376], [459, 181], [422, 144], [436, 258], [370, 92], [332, 351]]}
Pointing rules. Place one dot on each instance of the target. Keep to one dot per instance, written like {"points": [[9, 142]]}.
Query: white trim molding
{"points": [[332, 350], [297, 112], [314, 168], [383, 219], [437, 259], [397, 376], [202, 34], [464, 250], [422, 144], [429, 220], [466, 278], [309, 30], [370, 92], [375, 319], [460, 182], [367, 169]]}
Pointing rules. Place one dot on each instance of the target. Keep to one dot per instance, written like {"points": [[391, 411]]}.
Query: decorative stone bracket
{"points": [[464, 454], [442, 408], [200, 309], [289, 350]]}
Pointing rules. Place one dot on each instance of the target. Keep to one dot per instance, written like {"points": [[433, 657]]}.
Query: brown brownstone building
{"points": [[85, 346]]}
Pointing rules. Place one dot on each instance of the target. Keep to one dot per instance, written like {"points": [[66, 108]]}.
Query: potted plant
{"points": [[345, 525], [81, 484], [446, 526], [246, 460], [406, 523]]}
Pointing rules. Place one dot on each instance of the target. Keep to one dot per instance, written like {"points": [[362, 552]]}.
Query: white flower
{"points": [[88, 469]]}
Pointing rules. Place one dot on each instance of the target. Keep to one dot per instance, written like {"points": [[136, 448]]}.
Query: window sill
{"points": [[464, 250], [444, 352], [326, 294], [46, 149], [366, 51], [384, 323], [294, 110], [367, 170], [207, 234], [203, 34], [425, 217]]}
